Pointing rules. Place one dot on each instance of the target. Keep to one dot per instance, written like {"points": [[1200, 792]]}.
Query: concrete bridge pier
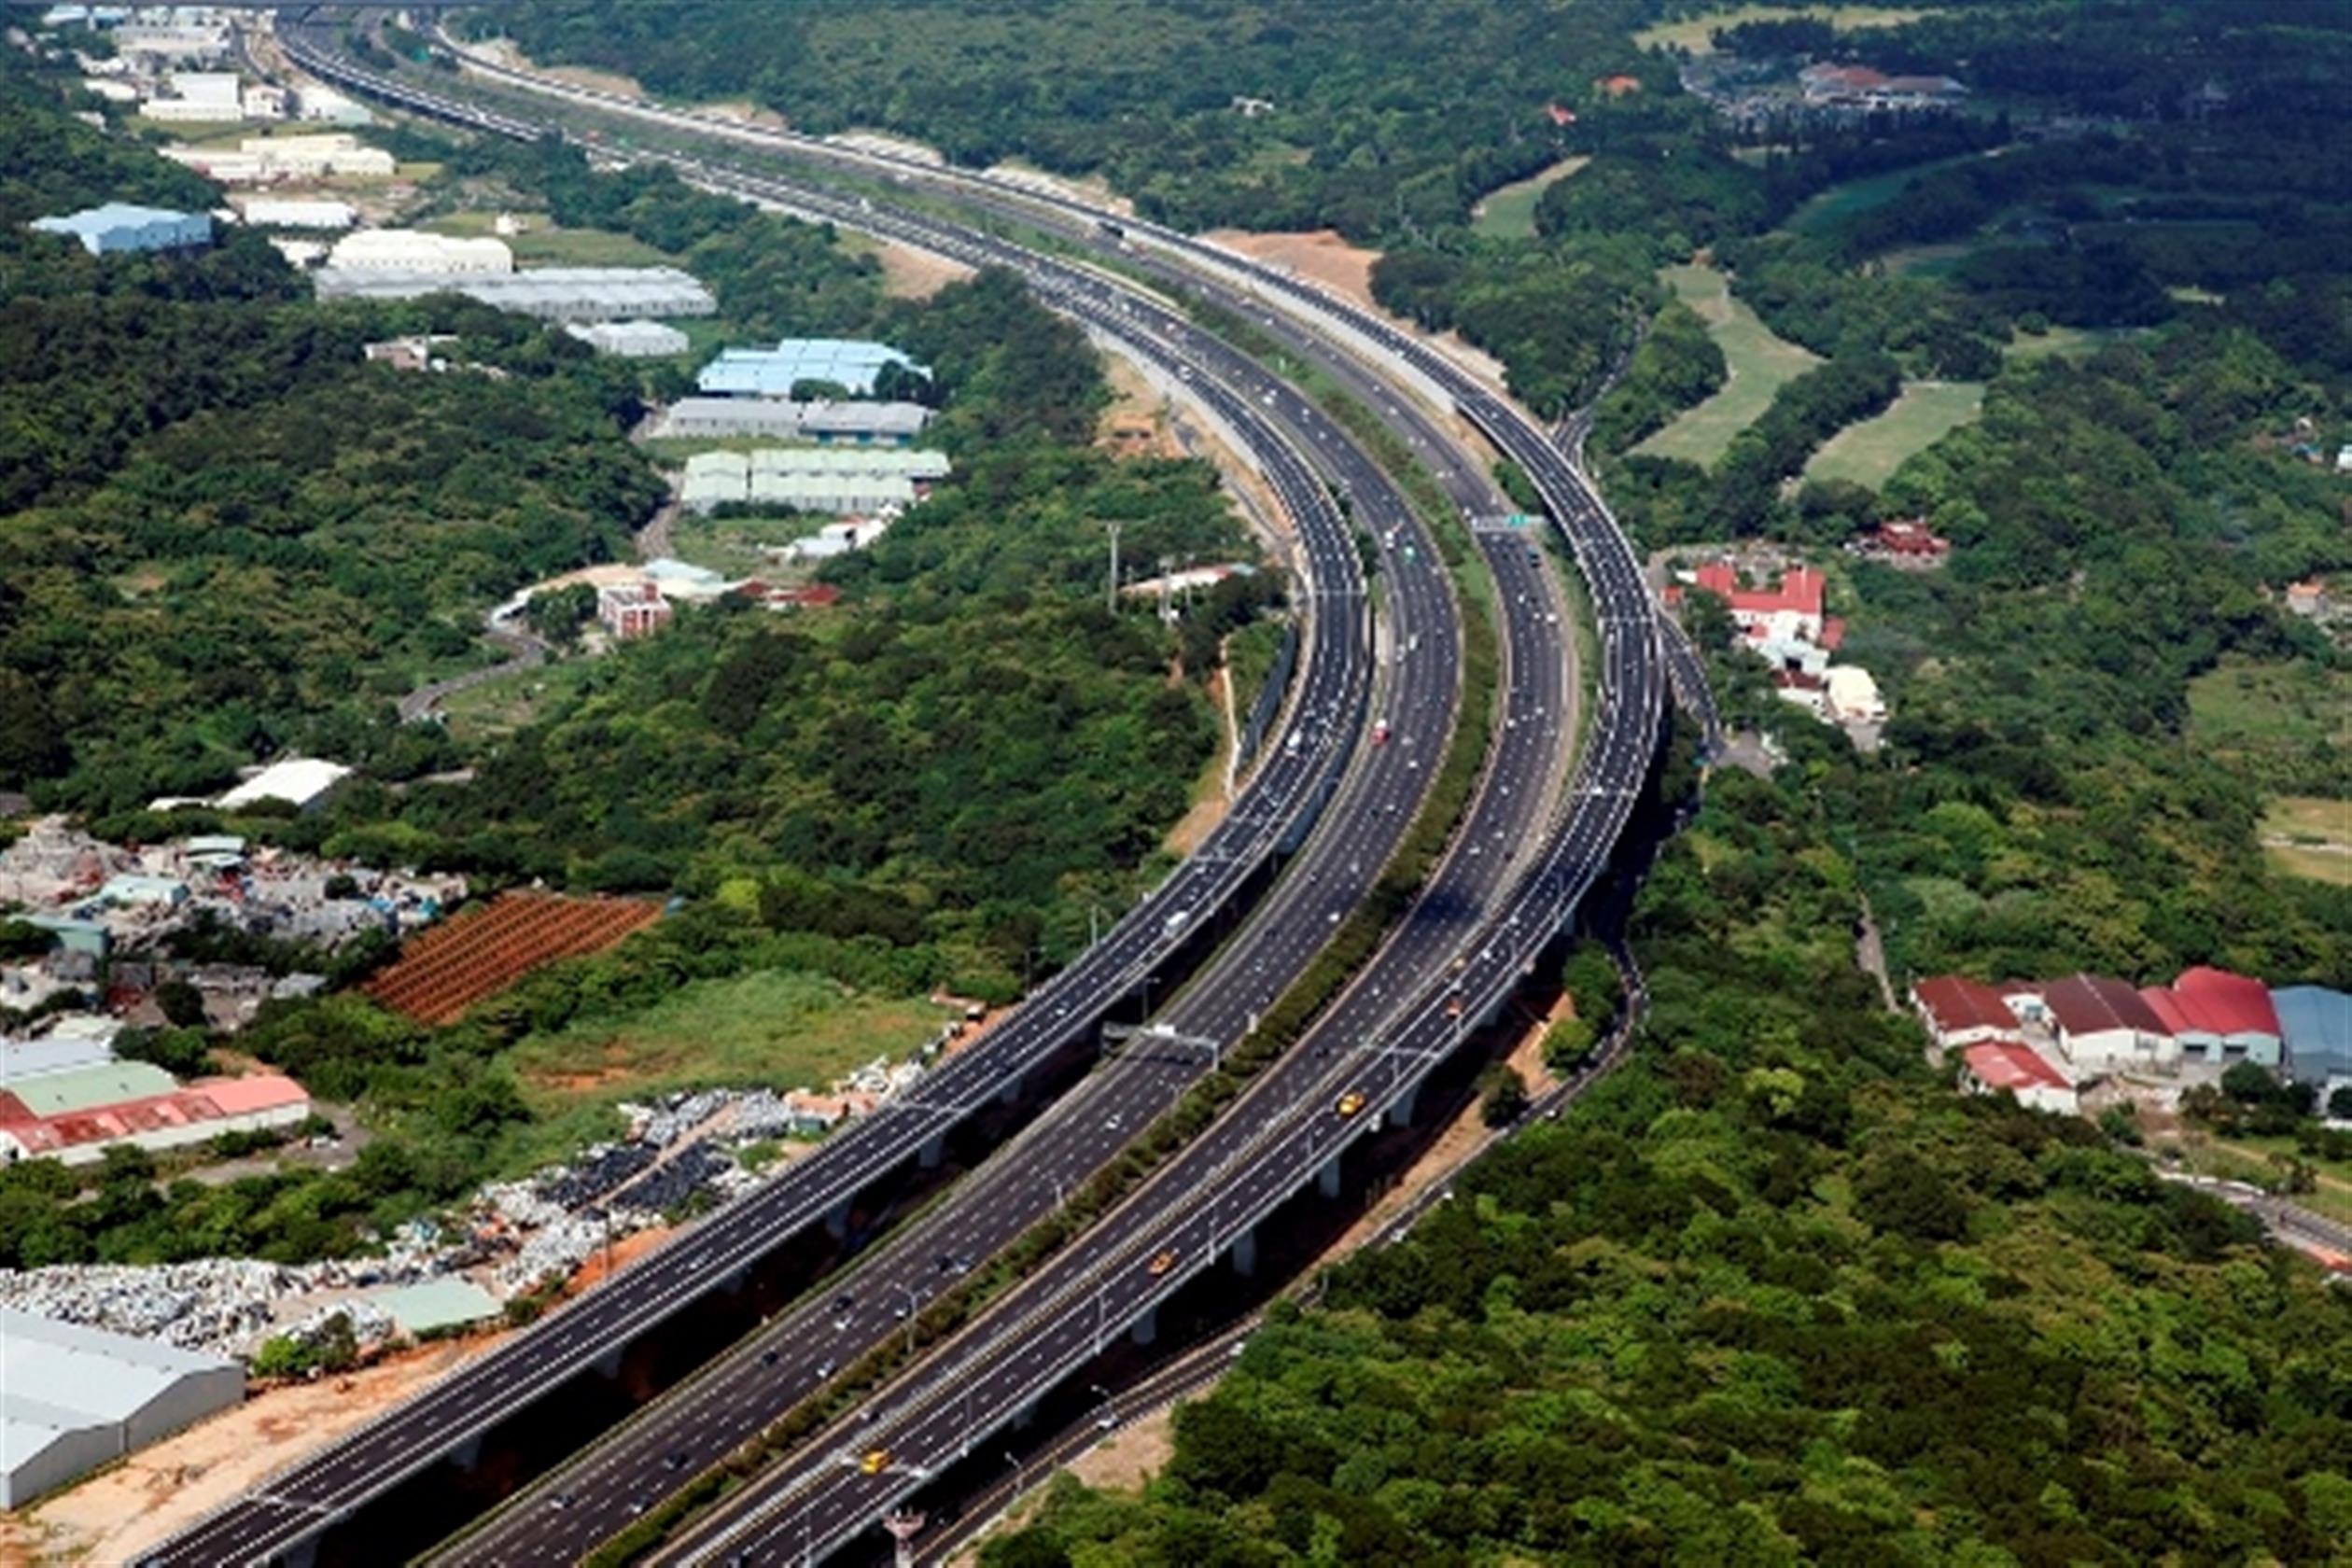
{"points": [[837, 1221], [1011, 1093], [609, 1364], [1245, 1253], [1400, 1110], [934, 1150], [301, 1554], [1327, 1179], [1146, 1327]]}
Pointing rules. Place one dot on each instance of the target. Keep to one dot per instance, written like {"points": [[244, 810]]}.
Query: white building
{"points": [[286, 212], [415, 250], [302, 782], [631, 340], [333, 152], [318, 103], [74, 1398], [264, 102], [209, 96], [1853, 696]]}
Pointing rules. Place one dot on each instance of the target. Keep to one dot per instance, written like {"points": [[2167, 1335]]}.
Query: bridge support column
{"points": [[1025, 1418], [837, 1221], [1011, 1093], [1400, 1110], [466, 1455], [1245, 1253], [934, 1151], [301, 1554], [1327, 1179], [1146, 1327]]}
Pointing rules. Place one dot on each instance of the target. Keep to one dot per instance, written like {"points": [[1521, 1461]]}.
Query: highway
{"points": [[1605, 791], [1291, 782], [730, 1402]]}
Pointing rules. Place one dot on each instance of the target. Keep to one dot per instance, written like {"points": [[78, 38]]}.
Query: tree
{"points": [[181, 1003], [1503, 1095], [2340, 1103]]}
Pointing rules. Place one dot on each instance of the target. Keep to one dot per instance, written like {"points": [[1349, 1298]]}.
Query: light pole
{"points": [[1110, 1409], [912, 1306]]}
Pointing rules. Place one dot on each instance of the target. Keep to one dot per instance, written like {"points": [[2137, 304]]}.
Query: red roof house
{"points": [[1796, 603], [2014, 1067], [1961, 1011]]}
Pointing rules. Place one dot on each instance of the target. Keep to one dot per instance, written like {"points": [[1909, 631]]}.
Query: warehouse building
{"points": [[773, 372], [861, 494], [631, 340], [305, 783], [2316, 1021], [548, 293], [118, 227], [74, 1398], [173, 1118], [922, 466], [206, 96], [286, 212], [415, 250], [826, 423]]}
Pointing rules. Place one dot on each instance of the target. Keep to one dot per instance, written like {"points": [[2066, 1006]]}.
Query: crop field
{"points": [[1760, 363], [1870, 452], [483, 952]]}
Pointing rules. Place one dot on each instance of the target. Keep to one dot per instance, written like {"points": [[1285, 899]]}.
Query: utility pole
{"points": [[1111, 588]]}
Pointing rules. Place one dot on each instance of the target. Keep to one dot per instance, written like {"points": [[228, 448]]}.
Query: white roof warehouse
{"points": [[74, 1398]]}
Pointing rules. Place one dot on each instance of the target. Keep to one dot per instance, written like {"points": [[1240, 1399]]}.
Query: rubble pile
{"points": [[225, 1304]]}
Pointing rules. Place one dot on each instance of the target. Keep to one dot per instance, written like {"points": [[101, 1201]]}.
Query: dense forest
{"points": [[1375, 116], [1770, 1295]]}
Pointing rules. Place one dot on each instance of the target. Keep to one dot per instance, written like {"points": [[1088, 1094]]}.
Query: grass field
{"points": [[2254, 713], [1840, 202], [1761, 364], [2310, 835], [1869, 453], [784, 1031], [1509, 211], [731, 545], [1692, 34], [500, 708], [2255, 1159], [2072, 341], [544, 245]]}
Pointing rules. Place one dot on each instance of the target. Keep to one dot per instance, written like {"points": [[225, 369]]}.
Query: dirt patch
{"points": [[1325, 257], [1132, 1455], [500, 51], [908, 273], [121, 1511], [625, 1252], [1209, 800]]}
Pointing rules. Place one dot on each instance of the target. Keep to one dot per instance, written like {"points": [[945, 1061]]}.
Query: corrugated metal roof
{"points": [[51, 1369], [420, 1308], [83, 1089]]}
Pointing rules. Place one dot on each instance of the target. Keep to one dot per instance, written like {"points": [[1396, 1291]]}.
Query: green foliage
{"points": [[1770, 1292], [1382, 114]]}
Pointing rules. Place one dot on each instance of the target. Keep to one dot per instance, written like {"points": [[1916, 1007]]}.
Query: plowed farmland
{"points": [[480, 954]]}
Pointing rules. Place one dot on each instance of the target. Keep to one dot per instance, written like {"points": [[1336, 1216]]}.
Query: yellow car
{"points": [[876, 1462], [1351, 1102], [1162, 1263]]}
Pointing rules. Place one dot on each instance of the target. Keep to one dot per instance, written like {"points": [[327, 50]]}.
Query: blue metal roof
{"points": [[108, 218], [2317, 1022]]}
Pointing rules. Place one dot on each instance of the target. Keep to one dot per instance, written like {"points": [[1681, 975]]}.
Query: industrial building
{"points": [[548, 293], [773, 372], [2317, 1022], [415, 250], [631, 340], [118, 227], [74, 1398], [811, 479], [1997, 1066], [76, 1115], [263, 159], [207, 96], [286, 212], [827, 422]]}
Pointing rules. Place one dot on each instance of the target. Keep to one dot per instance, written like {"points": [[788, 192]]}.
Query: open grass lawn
{"points": [[1830, 207], [731, 545], [1761, 364], [1509, 211], [784, 1030], [1869, 453], [544, 245], [2253, 712], [2071, 341], [1692, 34], [2310, 835], [501, 707]]}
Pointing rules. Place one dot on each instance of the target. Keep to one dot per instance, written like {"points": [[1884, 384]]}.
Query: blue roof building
{"points": [[2317, 1022], [772, 372], [118, 227]]}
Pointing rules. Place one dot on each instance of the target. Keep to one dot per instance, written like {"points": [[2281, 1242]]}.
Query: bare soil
{"points": [[908, 273]]}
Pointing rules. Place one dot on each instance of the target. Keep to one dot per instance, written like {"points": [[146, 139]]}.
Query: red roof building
{"points": [[2012, 1066], [1963, 1011], [2103, 1022], [1904, 541], [2212, 1009], [200, 1110], [1559, 114], [1793, 608]]}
